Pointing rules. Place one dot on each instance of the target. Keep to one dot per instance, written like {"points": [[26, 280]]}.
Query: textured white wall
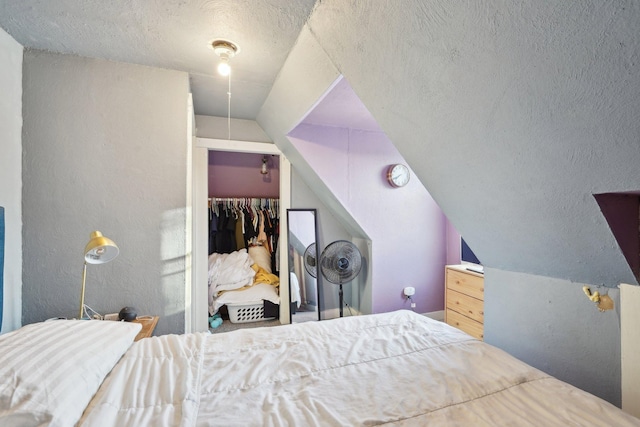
{"points": [[11, 176], [552, 325], [512, 114], [527, 109], [309, 74], [241, 130], [105, 148]]}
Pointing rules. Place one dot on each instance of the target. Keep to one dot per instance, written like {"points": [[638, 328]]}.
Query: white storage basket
{"points": [[244, 313]]}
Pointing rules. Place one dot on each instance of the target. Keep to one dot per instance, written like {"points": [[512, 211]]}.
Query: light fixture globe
{"points": [[224, 69], [226, 50]]}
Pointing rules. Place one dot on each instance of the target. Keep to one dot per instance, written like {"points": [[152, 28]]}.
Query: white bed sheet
{"points": [[389, 369]]}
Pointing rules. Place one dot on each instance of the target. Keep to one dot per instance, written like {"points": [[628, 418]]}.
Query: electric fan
{"points": [[310, 260], [340, 262]]}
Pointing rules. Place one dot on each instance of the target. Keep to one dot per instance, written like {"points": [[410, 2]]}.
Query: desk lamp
{"points": [[99, 250]]}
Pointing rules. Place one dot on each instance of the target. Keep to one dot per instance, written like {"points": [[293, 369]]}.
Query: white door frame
{"points": [[196, 309], [630, 348]]}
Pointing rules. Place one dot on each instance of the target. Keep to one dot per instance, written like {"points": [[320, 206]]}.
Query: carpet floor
{"points": [[227, 325]]}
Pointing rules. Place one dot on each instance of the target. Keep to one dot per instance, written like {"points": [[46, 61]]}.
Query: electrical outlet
{"points": [[413, 305], [409, 291], [112, 316]]}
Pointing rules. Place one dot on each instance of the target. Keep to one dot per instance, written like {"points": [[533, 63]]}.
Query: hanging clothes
{"points": [[222, 232], [236, 223]]}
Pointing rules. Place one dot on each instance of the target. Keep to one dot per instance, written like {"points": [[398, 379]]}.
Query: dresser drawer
{"points": [[465, 305], [465, 283], [470, 326]]}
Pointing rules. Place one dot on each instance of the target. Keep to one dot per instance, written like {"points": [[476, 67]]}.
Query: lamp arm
{"points": [[84, 277]]}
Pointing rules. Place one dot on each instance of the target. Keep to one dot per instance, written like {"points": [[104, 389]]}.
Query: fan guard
{"points": [[310, 260], [340, 262]]}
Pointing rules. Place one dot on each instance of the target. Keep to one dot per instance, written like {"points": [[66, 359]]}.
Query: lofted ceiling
{"points": [[512, 115], [174, 35]]}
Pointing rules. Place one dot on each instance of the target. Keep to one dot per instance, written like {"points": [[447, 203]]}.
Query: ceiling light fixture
{"points": [[225, 50], [263, 169]]}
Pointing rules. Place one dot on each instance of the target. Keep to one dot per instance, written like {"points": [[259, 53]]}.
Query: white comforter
{"points": [[156, 383], [395, 369]]}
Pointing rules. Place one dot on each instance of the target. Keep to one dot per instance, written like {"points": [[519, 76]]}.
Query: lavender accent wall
{"points": [[406, 227], [233, 174]]}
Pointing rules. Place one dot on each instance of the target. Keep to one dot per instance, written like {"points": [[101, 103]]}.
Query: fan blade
{"points": [[340, 262], [310, 262]]}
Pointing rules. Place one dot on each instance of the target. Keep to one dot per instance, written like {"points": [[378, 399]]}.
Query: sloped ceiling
{"points": [[342, 108], [512, 114]]}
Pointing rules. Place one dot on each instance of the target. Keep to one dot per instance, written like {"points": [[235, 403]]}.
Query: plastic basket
{"points": [[244, 313]]}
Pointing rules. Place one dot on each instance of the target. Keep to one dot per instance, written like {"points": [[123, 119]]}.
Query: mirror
{"points": [[303, 273]]}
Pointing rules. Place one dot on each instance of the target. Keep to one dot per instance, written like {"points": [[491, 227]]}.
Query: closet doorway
{"points": [[197, 307]]}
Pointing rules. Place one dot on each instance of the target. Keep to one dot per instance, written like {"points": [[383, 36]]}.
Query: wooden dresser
{"points": [[464, 300]]}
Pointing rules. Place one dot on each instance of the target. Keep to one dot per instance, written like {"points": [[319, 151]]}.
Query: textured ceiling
{"points": [[171, 34], [512, 115]]}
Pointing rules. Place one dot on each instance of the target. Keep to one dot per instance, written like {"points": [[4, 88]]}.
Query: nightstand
{"points": [[148, 325]]}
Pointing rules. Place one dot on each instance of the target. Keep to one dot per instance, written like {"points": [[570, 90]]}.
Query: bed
{"points": [[396, 368]]}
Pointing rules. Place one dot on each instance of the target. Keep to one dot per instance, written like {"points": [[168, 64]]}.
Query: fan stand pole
{"points": [[341, 299]]}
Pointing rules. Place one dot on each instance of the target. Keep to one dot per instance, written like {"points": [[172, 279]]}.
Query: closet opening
{"points": [[243, 240], [241, 193]]}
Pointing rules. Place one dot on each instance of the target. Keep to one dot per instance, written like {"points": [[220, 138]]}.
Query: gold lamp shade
{"points": [[99, 250]]}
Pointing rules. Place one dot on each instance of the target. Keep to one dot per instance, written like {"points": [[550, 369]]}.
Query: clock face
{"points": [[398, 175]]}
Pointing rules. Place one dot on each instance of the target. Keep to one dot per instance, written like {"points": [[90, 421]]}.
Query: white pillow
{"points": [[51, 370], [260, 255]]}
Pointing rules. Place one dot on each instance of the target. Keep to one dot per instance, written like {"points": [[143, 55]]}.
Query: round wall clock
{"points": [[398, 175]]}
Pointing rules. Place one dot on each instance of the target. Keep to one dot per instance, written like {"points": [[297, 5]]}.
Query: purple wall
{"points": [[406, 227], [233, 174], [621, 213]]}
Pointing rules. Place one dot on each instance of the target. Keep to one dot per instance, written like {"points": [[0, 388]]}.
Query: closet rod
{"points": [[257, 202], [231, 199]]}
